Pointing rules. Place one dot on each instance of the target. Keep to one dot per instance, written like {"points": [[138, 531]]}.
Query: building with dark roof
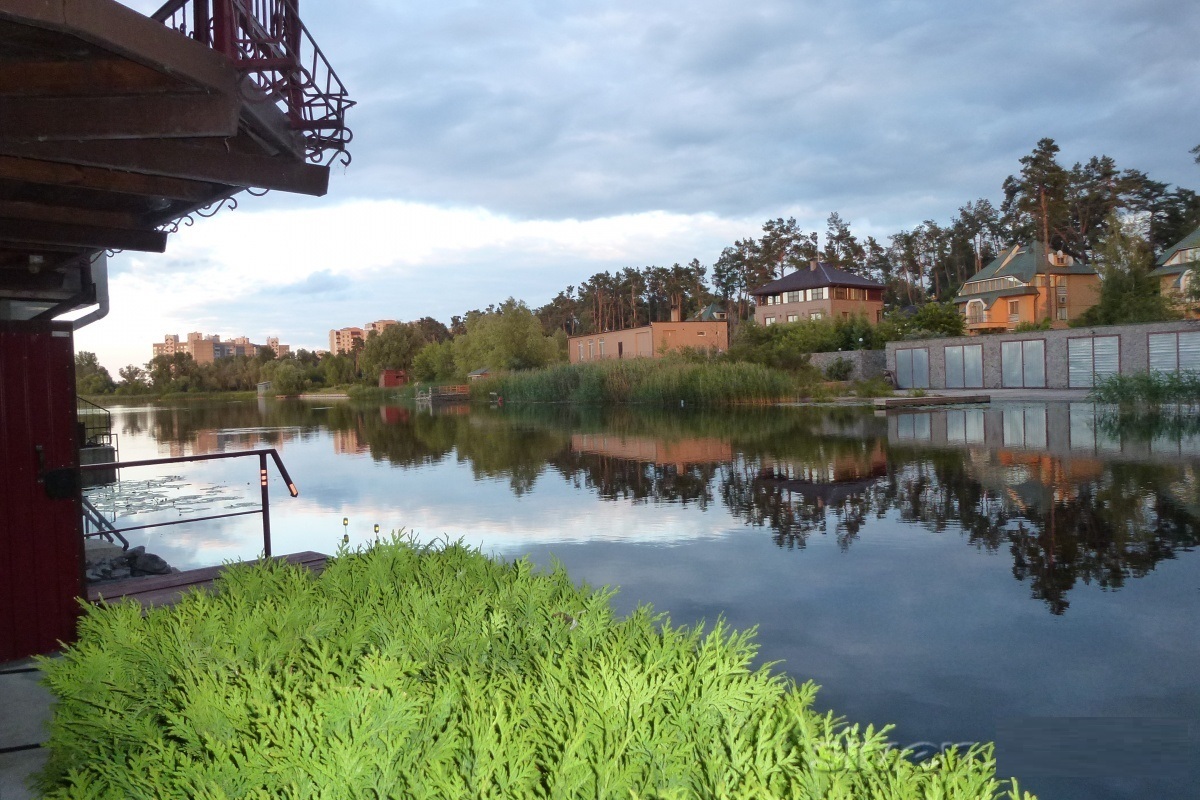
{"points": [[822, 291], [1177, 268], [1021, 285]]}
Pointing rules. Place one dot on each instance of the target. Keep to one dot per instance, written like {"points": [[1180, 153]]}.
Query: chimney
{"points": [[812, 265]]}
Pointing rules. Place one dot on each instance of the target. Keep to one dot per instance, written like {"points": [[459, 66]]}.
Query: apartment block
{"points": [[204, 349]]}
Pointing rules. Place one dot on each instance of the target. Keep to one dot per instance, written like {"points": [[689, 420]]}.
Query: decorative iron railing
{"points": [[268, 42]]}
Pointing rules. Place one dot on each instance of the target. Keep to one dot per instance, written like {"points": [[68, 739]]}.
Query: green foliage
{"points": [[435, 362], [1025, 327], [1128, 293], [840, 369], [90, 377], [412, 672], [642, 380], [504, 338], [874, 387], [788, 345], [1148, 390], [393, 348], [930, 321]]}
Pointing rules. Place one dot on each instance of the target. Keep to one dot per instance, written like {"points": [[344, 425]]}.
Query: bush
{"points": [[411, 672], [840, 369]]}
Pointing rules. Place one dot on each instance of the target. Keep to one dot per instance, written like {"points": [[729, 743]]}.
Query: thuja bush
{"points": [[435, 672]]}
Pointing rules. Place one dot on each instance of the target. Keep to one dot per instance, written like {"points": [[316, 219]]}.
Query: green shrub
{"points": [[840, 369], [874, 387], [1148, 390], [412, 672]]}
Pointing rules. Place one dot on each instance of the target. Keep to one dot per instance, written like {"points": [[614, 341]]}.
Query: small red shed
{"points": [[391, 378]]}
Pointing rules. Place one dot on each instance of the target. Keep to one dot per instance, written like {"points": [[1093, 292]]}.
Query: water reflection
{"points": [[1066, 495]]}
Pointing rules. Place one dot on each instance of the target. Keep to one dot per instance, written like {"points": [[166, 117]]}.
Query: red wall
{"points": [[41, 539]]}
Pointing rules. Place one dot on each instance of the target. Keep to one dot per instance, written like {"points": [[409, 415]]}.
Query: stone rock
{"points": [[149, 564]]}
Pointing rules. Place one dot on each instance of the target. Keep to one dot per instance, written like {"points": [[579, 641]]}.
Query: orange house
{"points": [[1177, 271], [649, 341], [821, 291], [1022, 285]]}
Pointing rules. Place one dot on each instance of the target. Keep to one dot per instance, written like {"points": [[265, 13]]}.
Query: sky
{"points": [[517, 147]]}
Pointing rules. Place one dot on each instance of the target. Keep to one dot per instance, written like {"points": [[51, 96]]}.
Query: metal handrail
{"points": [[267, 39], [94, 434], [264, 508]]}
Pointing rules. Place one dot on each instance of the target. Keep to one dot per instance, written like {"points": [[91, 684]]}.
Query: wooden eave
{"points": [[114, 127]]}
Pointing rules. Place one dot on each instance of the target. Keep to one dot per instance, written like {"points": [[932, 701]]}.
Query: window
{"points": [[590, 352], [819, 294], [620, 349], [964, 367], [700, 333], [912, 368], [793, 297], [1023, 364], [581, 351], [793, 317], [1089, 358], [815, 315], [1175, 352], [602, 348], [1014, 310], [769, 321], [839, 293], [976, 312]]}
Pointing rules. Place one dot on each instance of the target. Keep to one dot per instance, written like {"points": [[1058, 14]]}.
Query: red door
{"points": [[41, 539]]}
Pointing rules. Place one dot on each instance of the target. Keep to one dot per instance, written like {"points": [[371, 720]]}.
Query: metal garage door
{"points": [[964, 366], [912, 368], [1092, 358]]}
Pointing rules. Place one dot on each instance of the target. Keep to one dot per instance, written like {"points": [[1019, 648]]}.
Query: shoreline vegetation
{"points": [[410, 670]]}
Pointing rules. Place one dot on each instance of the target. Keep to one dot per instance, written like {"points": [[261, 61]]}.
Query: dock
{"points": [[455, 393], [931, 400], [166, 590]]}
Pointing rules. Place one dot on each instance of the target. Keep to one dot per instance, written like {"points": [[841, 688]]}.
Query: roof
{"points": [[1186, 243], [476, 373], [989, 298], [814, 277], [116, 127], [713, 312], [1023, 261]]}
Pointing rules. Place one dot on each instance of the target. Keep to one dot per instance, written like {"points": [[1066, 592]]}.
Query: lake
{"points": [[964, 573]]}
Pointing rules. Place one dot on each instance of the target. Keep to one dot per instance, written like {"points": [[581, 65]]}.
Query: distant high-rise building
{"points": [[342, 340], [205, 349]]}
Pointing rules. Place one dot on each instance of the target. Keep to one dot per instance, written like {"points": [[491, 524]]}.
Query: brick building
{"points": [[204, 349], [820, 291]]}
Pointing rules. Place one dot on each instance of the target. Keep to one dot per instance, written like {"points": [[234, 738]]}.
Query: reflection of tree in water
{"points": [[614, 478]]}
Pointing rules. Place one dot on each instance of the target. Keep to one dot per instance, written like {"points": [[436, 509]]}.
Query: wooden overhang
{"points": [[113, 128]]}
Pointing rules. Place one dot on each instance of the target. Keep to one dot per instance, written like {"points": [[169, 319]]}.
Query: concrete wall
{"points": [[1134, 350], [867, 363]]}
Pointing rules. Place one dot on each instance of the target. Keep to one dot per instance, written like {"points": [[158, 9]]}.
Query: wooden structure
{"points": [[114, 129], [166, 590], [451, 393]]}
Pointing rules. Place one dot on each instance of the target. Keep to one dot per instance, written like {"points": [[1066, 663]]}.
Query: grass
{"points": [[406, 671], [651, 381], [1148, 390]]}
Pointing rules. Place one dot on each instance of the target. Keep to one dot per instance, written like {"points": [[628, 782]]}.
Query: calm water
{"points": [[951, 572]]}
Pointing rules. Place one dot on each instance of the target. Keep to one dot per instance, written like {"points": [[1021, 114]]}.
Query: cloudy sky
{"points": [[513, 148]]}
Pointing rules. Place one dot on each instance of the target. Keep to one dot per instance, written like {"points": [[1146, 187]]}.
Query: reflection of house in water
{"points": [[695, 450], [1072, 430], [207, 440], [347, 442], [827, 482]]}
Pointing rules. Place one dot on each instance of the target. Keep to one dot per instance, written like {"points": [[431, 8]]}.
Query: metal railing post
{"points": [[266, 504]]}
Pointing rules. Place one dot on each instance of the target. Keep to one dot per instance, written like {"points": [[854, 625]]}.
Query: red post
{"points": [[266, 504]]}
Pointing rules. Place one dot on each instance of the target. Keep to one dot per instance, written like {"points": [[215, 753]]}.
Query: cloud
{"points": [[322, 282]]}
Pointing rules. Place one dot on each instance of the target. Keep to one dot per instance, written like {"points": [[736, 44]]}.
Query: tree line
{"points": [[1116, 219]]}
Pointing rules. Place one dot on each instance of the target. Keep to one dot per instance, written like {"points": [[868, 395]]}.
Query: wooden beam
{"points": [[51, 173], [126, 33], [188, 161], [94, 76], [122, 117], [12, 209], [90, 236]]}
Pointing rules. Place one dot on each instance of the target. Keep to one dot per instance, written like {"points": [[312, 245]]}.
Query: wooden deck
{"points": [[166, 590], [932, 400]]}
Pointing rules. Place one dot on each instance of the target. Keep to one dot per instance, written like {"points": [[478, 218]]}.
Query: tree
{"points": [[435, 362], [90, 377], [508, 337], [842, 249], [1128, 293], [134, 380], [393, 348]]}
